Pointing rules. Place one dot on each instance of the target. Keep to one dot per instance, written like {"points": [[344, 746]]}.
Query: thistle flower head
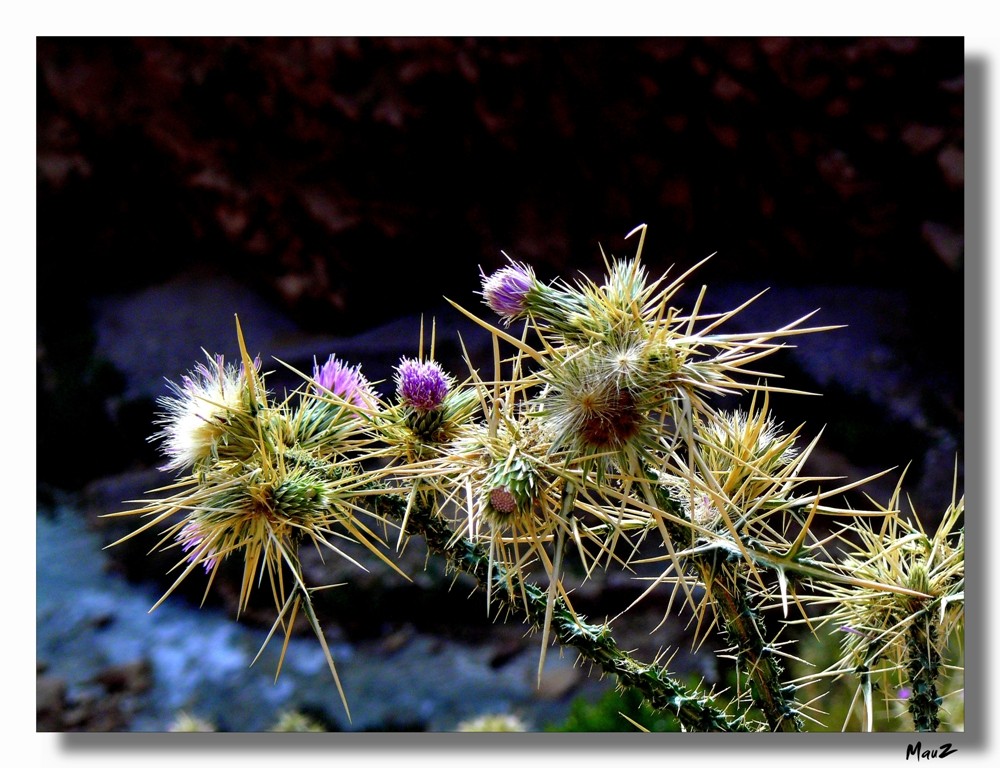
{"points": [[900, 555], [590, 409], [255, 512], [506, 290], [263, 485], [621, 306], [328, 420], [212, 406], [342, 380], [511, 487], [422, 385], [745, 452]]}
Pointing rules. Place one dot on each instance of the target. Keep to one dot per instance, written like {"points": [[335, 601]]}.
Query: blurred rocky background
{"points": [[331, 191]]}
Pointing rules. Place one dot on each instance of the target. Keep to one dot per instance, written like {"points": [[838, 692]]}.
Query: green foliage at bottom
{"points": [[613, 713]]}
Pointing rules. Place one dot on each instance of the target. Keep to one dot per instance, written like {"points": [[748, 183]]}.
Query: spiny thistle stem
{"points": [[741, 624], [922, 665], [594, 643]]}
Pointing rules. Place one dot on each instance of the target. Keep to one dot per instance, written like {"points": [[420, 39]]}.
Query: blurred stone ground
{"points": [[330, 191]]}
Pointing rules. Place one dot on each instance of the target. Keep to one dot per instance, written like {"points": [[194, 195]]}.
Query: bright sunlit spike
{"points": [[551, 599], [248, 365], [641, 229], [866, 688], [288, 637], [420, 344], [498, 377], [796, 548], [318, 631], [783, 586], [516, 343]]}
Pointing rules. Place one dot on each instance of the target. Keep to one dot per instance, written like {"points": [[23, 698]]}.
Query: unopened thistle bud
{"points": [[513, 292], [300, 497], [513, 488]]}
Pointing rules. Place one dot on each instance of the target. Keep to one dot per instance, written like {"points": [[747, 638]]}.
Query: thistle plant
{"points": [[597, 442], [897, 641]]}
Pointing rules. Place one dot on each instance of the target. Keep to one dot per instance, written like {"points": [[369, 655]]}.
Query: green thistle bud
{"points": [[511, 491], [324, 427], [300, 497], [426, 425]]}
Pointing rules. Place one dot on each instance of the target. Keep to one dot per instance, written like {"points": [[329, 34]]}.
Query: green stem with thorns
{"points": [[741, 624], [743, 627], [922, 666], [595, 643]]}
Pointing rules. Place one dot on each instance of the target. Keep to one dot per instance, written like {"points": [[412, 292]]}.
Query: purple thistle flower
{"points": [[421, 385], [506, 290], [342, 380]]}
